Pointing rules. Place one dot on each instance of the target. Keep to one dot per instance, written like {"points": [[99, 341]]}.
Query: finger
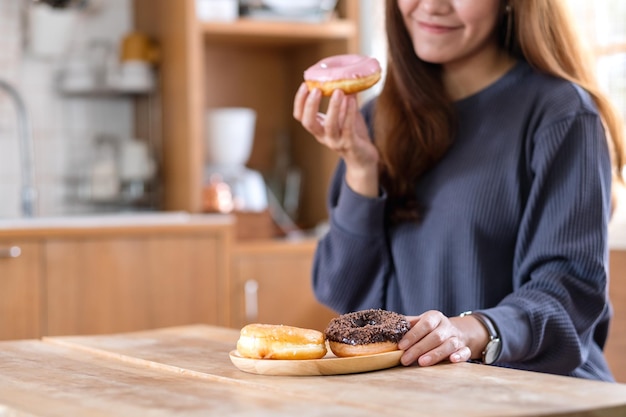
{"points": [[321, 118], [411, 337], [427, 335], [348, 113], [423, 351], [343, 110], [298, 101], [420, 326], [333, 112], [462, 355], [416, 346], [443, 350], [310, 114]]}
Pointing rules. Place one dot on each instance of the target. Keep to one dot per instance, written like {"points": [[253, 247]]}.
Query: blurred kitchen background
{"points": [[87, 156], [70, 131]]}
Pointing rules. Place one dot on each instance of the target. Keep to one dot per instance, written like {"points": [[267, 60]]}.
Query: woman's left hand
{"points": [[434, 338], [343, 130]]}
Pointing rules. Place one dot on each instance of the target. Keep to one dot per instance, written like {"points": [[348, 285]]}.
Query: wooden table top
{"points": [[187, 371]]}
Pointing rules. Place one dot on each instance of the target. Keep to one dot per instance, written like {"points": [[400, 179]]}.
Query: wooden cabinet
{"points": [[118, 284], [96, 280], [251, 63], [92, 280], [271, 283], [20, 289], [616, 344]]}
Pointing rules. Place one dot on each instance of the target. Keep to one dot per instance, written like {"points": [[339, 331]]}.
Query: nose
{"points": [[435, 6]]}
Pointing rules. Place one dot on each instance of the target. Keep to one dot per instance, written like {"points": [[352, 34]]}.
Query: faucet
{"points": [[29, 192]]}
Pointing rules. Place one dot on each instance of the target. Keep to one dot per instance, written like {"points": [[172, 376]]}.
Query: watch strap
{"points": [[492, 330]]}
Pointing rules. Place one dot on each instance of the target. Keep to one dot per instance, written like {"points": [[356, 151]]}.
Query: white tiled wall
{"points": [[63, 127]]}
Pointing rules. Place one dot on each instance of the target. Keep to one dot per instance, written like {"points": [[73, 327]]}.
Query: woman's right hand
{"points": [[434, 338], [343, 130]]}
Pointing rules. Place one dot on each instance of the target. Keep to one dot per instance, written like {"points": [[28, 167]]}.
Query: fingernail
{"points": [[455, 358], [402, 345], [425, 360], [407, 359]]}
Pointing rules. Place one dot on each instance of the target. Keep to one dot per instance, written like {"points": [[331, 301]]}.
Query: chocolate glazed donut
{"points": [[366, 332]]}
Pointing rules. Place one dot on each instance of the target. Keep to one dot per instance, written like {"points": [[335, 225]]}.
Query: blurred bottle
{"points": [[104, 175]]}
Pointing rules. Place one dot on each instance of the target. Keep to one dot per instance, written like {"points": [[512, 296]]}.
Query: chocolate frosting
{"points": [[367, 326]]}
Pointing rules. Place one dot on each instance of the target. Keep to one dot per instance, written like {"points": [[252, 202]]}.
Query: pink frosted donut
{"points": [[350, 72]]}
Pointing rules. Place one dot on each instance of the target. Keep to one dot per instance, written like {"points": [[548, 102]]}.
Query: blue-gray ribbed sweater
{"points": [[515, 225]]}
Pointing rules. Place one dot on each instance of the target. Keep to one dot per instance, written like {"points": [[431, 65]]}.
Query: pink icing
{"points": [[341, 67]]}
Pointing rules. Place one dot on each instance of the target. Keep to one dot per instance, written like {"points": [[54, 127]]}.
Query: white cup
{"points": [[132, 76], [230, 135], [135, 161]]}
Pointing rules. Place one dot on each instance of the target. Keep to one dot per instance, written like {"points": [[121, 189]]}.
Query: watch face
{"points": [[492, 351]]}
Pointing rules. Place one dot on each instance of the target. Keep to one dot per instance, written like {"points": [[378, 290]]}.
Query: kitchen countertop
{"points": [[110, 223], [143, 221], [187, 371]]}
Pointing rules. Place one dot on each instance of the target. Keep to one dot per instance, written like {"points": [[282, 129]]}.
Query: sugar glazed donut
{"points": [[366, 332], [273, 341], [350, 72]]}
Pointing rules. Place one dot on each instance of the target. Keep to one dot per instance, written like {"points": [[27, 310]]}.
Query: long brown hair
{"points": [[545, 36], [415, 120]]}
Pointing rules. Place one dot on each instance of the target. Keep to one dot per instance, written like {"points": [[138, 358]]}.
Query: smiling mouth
{"points": [[436, 29]]}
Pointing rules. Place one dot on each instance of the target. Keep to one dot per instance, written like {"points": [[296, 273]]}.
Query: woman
{"points": [[479, 179]]}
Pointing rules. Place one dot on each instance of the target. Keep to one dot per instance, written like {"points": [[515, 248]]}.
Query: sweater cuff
{"points": [[359, 215], [515, 333]]}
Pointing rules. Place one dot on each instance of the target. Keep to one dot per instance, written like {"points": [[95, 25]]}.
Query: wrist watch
{"points": [[494, 346]]}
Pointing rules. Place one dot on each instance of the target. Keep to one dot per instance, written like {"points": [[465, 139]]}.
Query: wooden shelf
{"points": [[277, 32], [251, 62], [104, 93]]}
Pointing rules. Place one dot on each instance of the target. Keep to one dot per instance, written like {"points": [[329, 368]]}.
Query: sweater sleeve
{"points": [[349, 269], [351, 264], [548, 322]]}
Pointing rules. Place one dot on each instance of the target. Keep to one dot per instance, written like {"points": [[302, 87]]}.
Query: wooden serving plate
{"points": [[328, 365]]}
